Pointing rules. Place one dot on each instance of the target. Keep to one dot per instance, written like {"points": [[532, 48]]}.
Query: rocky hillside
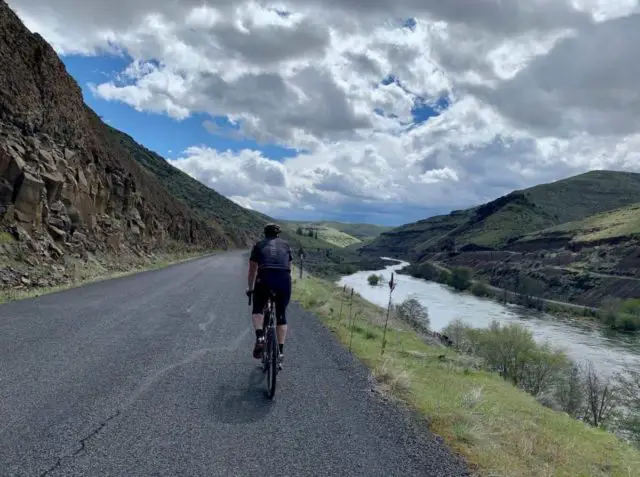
{"points": [[575, 240], [70, 186]]}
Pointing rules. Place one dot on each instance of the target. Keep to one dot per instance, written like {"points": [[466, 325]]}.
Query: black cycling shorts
{"points": [[278, 281]]}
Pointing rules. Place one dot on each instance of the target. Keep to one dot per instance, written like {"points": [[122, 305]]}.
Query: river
{"points": [[580, 339]]}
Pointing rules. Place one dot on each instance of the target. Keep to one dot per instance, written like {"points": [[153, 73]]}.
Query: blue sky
{"points": [[169, 137], [158, 132]]}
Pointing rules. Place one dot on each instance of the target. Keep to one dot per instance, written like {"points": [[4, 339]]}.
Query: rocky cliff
{"points": [[69, 187]]}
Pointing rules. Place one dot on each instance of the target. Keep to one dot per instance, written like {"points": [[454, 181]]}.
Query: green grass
{"points": [[623, 222], [500, 430], [362, 232], [328, 234], [6, 237]]}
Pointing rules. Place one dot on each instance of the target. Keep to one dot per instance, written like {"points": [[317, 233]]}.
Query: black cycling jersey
{"points": [[272, 254]]}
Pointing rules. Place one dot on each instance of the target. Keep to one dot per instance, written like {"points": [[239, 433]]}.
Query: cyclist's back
{"points": [[272, 254]]}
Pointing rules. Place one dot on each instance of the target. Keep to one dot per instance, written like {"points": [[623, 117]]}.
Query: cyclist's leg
{"points": [[282, 301], [259, 300]]}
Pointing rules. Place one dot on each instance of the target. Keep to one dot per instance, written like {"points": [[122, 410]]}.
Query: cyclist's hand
{"points": [[249, 292]]}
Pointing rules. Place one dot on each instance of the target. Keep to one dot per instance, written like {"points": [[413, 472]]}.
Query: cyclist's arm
{"points": [[251, 277], [254, 261]]}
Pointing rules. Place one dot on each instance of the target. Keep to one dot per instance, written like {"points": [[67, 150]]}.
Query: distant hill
{"points": [[497, 223], [363, 232], [340, 234]]}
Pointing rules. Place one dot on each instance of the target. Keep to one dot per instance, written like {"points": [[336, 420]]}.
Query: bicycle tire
{"points": [[273, 365]]}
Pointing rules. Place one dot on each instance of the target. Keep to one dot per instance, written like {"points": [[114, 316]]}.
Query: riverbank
{"points": [[436, 272], [499, 429]]}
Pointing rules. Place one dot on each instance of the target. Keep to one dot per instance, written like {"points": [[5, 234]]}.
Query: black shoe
{"points": [[258, 348]]}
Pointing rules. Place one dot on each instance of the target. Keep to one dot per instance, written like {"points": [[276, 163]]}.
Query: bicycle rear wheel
{"points": [[272, 362]]}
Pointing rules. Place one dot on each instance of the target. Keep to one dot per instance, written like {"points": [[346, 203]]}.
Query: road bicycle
{"points": [[270, 351]]}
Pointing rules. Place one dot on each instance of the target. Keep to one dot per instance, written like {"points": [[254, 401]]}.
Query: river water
{"points": [[580, 339]]}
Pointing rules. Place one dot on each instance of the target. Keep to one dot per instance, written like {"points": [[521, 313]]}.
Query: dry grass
{"points": [[502, 431]]}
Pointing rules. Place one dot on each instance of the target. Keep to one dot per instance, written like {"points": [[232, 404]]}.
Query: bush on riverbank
{"points": [[496, 426], [547, 374], [623, 316], [460, 278], [414, 314], [480, 289]]}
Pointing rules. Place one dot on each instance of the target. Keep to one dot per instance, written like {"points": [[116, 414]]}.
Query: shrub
{"points": [[411, 311], [427, 271], [444, 277], [512, 351], [374, 279], [480, 289], [460, 278]]}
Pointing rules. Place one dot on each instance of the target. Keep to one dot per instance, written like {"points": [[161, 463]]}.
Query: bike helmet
{"points": [[271, 230]]}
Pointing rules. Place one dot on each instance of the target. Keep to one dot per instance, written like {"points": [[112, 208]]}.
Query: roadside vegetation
{"points": [[509, 405]]}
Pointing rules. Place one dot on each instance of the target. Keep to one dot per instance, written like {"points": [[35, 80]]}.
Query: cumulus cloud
{"points": [[534, 90]]}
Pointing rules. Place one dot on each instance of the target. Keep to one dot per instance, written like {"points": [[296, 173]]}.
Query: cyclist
{"points": [[270, 270]]}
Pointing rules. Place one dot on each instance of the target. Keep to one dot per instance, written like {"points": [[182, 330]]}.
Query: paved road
{"points": [[151, 375]]}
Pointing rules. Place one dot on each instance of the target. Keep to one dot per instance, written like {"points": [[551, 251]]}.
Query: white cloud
{"points": [[538, 89]]}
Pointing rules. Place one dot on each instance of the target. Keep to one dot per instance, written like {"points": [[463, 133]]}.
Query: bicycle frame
{"points": [[270, 353]]}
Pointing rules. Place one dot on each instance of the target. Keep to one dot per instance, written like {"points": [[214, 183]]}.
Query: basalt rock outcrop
{"points": [[66, 186]]}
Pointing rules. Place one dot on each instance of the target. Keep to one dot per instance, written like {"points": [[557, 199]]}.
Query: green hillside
{"points": [[623, 223], [340, 234], [362, 232], [324, 232], [496, 223]]}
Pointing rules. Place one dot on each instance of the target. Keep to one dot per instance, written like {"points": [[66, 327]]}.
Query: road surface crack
{"points": [[82, 444]]}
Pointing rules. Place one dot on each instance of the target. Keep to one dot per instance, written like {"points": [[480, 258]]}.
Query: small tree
{"points": [[444, 277], [373, 279], [569, 392], [480, 289], [460, 278], [299, 230], [628, 388], [542, 369], [457, 331], [310, 233], [411, 311], [427, 271], [601, 396]]}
